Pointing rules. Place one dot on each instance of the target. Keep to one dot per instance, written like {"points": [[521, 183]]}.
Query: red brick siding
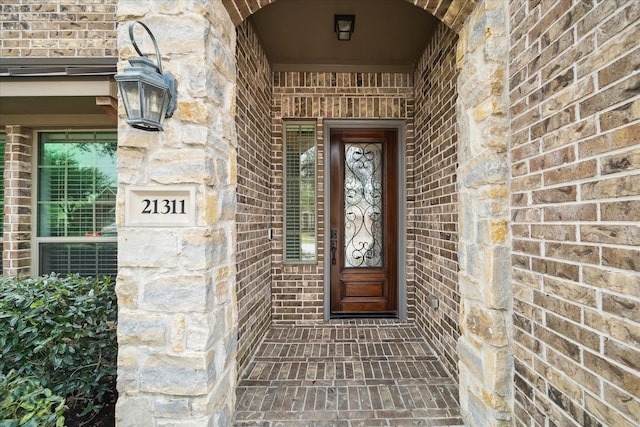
{"points": [[575, 181], [436, 209], [298, 291], [18, 182], [73, 28], [253, 217]]}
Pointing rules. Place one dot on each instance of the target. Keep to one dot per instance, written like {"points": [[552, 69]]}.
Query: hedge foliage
{"points": [[24, 402], [62, 332]]}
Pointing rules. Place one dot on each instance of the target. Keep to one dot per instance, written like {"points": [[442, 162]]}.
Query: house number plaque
{"points": [[160, 206]]}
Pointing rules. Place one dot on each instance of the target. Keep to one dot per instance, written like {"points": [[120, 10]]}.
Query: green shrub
{"points": [[24, 402], [60, 330]]}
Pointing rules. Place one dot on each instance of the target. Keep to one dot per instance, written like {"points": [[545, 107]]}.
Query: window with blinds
{"points": [[77, 183], [2, 146], [300, 193]]}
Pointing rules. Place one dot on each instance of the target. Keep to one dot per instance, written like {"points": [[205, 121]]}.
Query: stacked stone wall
{"points": [[177, 313], [298, 290], [575, 203], [71, 28], [484, 348], [18, 182], [435, 196], [253, 218]]}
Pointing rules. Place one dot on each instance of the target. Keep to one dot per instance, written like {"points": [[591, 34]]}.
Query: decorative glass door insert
{"points": [[363, 213]]}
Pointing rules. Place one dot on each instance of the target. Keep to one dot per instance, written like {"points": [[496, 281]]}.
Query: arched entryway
{"points": [[193, 271], [452, 13], [478, 187]]}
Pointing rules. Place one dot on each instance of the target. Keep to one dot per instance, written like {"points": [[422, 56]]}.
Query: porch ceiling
{"points": [[298, 35]]}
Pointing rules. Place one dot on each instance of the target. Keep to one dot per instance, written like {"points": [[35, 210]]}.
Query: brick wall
{"points": [[74, 28], [298, 290], [18, 176], [253, 217], [575, 152], [436, 209]]}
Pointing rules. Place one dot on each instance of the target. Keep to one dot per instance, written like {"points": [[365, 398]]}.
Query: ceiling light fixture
{"points": [[344, 26]]}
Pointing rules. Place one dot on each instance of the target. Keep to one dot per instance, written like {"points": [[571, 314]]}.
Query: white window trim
{"points": [[35, 180]]}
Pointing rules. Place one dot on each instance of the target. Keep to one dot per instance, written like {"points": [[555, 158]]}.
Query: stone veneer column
{"points": [[17, 201], [485, 346], [177, 321]]}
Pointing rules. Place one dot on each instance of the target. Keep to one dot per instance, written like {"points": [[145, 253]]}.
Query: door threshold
{"points": [[364, 315]]}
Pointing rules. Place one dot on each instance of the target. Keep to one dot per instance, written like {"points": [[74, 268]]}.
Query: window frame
{"points": [[36, 240], [285, 260]]}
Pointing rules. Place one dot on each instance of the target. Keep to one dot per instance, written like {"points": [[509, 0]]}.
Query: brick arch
{"points": [[452, 13]]}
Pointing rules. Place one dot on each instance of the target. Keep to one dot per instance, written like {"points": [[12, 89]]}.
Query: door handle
{"points": [[334, 246]]}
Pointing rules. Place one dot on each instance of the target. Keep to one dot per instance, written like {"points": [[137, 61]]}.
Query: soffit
{"points": [[51, 90], [298, 35], [57, 111], [49, 105], [48, 91]]}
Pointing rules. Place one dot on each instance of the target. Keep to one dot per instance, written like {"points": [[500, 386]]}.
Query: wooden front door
{"points": [[363, 233]]}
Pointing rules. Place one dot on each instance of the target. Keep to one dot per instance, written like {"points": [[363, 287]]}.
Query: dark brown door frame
{"points": [[363, 290], [399, 126]]}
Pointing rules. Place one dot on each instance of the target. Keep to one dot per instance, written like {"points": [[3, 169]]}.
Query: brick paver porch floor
{"points": [[346, 374]]}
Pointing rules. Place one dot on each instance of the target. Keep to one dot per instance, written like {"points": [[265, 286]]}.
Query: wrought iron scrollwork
{"points": [[363, 201]]}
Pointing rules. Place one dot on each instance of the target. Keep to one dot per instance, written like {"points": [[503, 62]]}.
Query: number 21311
{"points": [[163, 207]]}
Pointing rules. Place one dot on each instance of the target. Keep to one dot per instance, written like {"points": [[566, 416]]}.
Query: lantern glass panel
{"points": [[344, 25], [131, 97], [154, 107]]}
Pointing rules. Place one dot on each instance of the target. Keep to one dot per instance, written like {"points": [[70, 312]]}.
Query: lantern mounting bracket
{"points": [[148, 93], [167, 77]]}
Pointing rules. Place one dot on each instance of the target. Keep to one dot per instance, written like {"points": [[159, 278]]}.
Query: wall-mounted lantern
{"points": [[344, 26], [148, 94]]}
